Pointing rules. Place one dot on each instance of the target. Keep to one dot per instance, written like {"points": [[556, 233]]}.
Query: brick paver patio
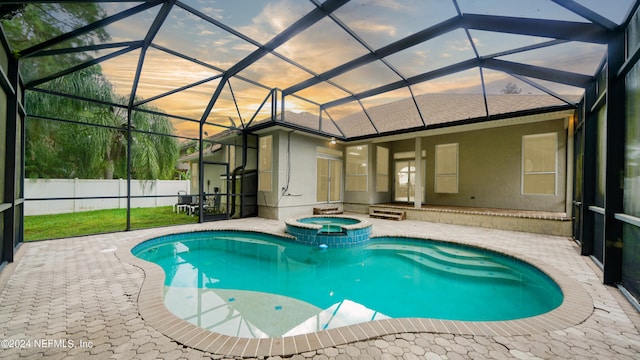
{"points": [[75, 298]]}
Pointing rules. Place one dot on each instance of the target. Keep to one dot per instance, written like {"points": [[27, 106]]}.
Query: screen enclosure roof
{"points": [[347, 69]]}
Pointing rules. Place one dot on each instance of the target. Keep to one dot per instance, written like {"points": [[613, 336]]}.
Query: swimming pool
{"points": [[256, 285]]}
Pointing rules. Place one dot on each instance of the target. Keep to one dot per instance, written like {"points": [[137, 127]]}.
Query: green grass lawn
{"points": [[42, 227]]}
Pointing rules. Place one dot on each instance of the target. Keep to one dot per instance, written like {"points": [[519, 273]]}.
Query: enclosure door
{"points": [[577, 184], [329, 178], [216, 191], [405, 180]]}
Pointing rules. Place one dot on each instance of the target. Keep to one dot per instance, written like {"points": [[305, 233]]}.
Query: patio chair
{"points": [[195, 206], [184, 201], [216, 202], [216, 199]]}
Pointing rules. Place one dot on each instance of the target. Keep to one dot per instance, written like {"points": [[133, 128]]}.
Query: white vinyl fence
{"points": [[78, 188]]}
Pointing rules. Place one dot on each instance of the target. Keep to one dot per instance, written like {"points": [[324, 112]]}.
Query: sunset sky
{"points": [[326, 45]]}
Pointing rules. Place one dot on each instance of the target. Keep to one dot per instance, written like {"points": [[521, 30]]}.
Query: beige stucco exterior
{"points": [[294, 182], [489, 168]]}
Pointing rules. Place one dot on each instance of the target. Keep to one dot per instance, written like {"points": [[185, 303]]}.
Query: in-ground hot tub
{"points": [[329, 231]]}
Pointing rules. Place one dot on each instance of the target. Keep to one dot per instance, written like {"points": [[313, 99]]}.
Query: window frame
{"points": [[455, 174], [262, 172], [524, 173], [353, 176], [382, 177]]}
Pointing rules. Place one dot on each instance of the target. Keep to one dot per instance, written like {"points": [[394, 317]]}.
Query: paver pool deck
{"points": [[81, 298]]}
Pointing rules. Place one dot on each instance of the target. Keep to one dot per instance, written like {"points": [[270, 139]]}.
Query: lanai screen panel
{"points": [[450, 98], [380, 23], [188, 103], [442, 51], [324, 92], [256, 19], [192, 35], [275, 71], [163, 72], [393, 110], [367, 77], [563, 57], [542, 9], [322, 46]]}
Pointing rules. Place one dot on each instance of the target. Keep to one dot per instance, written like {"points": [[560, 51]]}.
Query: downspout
{"points": [[570, 164], [201, 173]]}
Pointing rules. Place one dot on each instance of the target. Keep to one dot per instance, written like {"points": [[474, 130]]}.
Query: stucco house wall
{"points": [[294, 182], [489, 171], [490, 168]]}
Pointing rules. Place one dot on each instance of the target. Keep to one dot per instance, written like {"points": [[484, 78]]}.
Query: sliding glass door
{"points": [[329, 178], [405, 180]]}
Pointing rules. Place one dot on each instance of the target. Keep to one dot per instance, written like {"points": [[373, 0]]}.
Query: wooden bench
{"points": [[390, 214], [327, 210]]}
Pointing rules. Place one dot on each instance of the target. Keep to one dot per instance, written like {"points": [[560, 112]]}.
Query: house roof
{"points": [[437, 110]]}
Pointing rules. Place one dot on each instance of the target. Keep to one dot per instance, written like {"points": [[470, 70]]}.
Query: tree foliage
{"points": [[511, 88], [70, 148], [35, 23], [9, 11]]}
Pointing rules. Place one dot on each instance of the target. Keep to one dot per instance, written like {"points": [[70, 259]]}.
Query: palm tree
{"points": [[66, 149], [79, 150], [69, 148], [153, 156]]}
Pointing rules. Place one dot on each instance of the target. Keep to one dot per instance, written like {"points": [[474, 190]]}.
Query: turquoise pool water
{"points": [[257, 285], [329, 224], [329, 220]]}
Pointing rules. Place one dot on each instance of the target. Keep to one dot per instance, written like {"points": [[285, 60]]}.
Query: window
{"points": [[601, 157], [265, 163], [446, 168], [382, 169], [631, 231], [357, 165], [539, 164], [632, 156]]}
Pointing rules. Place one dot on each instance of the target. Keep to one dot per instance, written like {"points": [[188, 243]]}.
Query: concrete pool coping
{"points": [[361, 224], [576, 307]]}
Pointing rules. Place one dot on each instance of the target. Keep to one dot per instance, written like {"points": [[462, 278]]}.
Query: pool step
{"points": [[478, 263], [453, 270], [389, 214], [327, 210], [459, 252], [448, 258]]}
